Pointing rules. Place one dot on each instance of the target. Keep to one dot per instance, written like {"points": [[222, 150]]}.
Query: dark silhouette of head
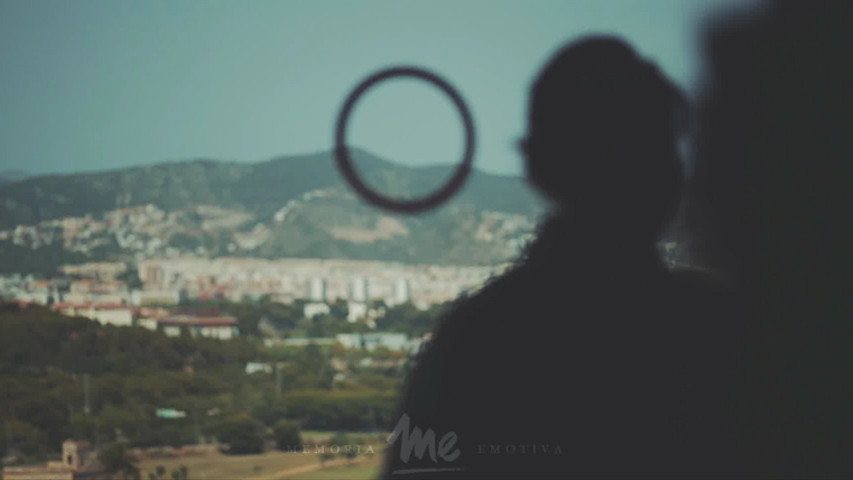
{"points": [[602, 141]]}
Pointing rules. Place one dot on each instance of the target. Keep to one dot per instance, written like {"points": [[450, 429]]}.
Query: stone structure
{"points": [[79, 462]]}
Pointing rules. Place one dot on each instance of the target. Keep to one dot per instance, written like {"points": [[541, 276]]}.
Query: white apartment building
{"points": [[223, 328]]}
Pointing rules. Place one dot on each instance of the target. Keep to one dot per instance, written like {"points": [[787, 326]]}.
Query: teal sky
{"points": [[92, 85]]}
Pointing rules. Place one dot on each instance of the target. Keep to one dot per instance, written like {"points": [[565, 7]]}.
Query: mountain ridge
{"points": [[317, 172], [213, 208]]}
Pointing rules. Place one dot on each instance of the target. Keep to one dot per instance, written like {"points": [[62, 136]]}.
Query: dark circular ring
{"points": [[417, 205]]}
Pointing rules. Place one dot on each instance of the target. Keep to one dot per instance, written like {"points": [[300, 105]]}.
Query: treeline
{"points": [[43, 261], [47, 359], [408, 319], [342, 410], [36, 339]]}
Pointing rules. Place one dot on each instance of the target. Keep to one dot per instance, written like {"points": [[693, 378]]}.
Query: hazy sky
{"points": [[91, 85]]}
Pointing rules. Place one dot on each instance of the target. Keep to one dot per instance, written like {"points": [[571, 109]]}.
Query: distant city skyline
{"points": [[96, 85]]}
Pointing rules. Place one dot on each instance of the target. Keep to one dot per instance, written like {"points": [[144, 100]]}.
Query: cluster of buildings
{"points": [[171, 281], [99, 290], [94, 291], [210, 325], [317, 281], [143, 229], [149, 231]]}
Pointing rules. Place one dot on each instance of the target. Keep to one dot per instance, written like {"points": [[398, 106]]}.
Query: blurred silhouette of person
{"points": [[588, 358], [772, 208]]}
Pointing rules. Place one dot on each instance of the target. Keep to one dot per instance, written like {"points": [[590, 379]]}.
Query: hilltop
{"points": [[289, 206]]}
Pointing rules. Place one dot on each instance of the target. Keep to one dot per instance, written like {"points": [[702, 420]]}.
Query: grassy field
{"points": [[274, 465], [364, 471], [229, 467]]}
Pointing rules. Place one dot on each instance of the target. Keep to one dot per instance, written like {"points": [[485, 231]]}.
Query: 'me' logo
{"points": [[421, 443]]}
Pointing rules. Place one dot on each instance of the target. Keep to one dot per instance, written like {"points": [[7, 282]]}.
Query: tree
{"points": [[350, 453], [82, 426], [311, 359], [25, 438], [287, 435], [325, 456], [242, 434], [340, 439], [130, 277], [347, 445], [339, 310], [408, 319], [182, 473], [118, 462]]}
